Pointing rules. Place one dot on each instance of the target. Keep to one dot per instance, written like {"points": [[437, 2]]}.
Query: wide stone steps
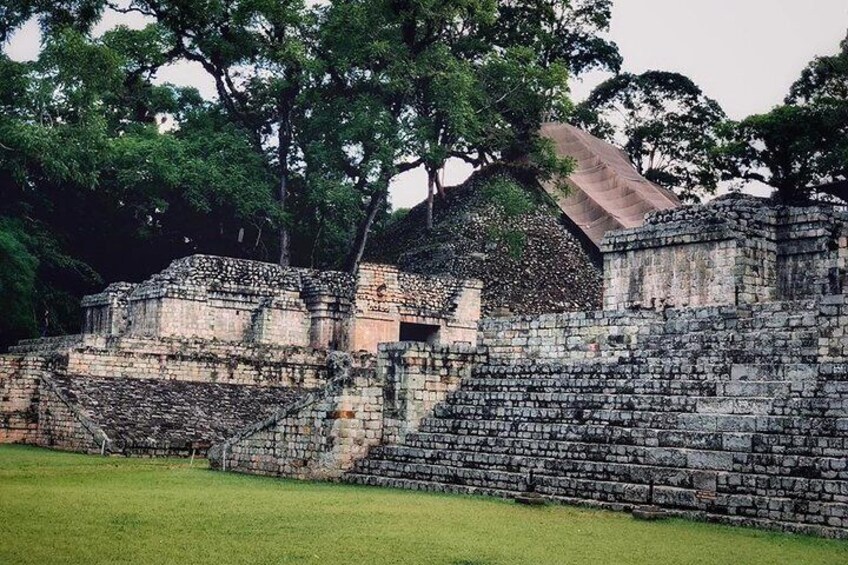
{"points": [[770, 430], [695, 431], [505, 482], [605, 444], [643, 465], [744, 516], [447, 478], [559, 385], [553, 398], [682, 372], [426, 486], [651, 413], [558, 400]]}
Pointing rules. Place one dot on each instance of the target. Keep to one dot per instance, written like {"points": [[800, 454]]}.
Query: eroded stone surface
{"points": [[216, 298]]}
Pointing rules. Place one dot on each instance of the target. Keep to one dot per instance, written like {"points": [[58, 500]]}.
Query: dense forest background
{"points": [[106, 175]]}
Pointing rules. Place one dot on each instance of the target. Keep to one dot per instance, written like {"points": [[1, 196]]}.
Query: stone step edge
{"points": [[699, 516], [433, 419], [569, 459]]}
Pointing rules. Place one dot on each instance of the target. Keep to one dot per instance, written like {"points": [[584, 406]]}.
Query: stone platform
{"points": [[733, 414]]}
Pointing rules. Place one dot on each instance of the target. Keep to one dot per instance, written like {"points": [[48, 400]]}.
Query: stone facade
{"points": [[147, 396], [736, 250], [210, 345], [734, 413], [324, 433], [19, 379], [215, 298], [190, 360]]}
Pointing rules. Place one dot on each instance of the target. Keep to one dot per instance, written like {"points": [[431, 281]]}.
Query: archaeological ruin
{"points": [[204, 348], [713, 383]]}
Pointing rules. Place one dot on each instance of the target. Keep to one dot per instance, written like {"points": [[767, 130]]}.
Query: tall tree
{"points": [[569, 32], [666, 124], [432, 78], [53, 15], [801, 144], [82, 155], [256, 53]]}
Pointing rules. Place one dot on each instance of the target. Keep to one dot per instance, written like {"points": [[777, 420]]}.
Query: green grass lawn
{"points": [[67, 508]]}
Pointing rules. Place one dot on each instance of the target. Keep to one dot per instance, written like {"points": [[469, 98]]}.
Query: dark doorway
{"points": [[419, 332]]}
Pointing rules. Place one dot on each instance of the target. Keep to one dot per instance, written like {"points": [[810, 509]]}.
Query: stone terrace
{"points": [[725, 413], [714, 386]]}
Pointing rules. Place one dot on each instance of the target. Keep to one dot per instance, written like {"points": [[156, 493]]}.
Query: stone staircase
{"points": [[148, 417], [740, 443]]}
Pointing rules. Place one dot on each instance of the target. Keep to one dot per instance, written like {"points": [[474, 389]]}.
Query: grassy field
{"points": [[66, 508]]}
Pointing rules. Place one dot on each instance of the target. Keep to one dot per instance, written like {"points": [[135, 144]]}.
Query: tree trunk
{"points": [[440, 190], [285, 240], [431, 184], [357, 250], [283, 147]]}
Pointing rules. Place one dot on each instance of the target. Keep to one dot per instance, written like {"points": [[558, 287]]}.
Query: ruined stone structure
{"points": [[215, 298], [734, 251], [713, 385], [545, 260], [725, 402], [533, 263], [210, 345]]}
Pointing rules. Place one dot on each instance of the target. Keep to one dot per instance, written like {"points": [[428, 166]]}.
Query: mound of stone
{"points": [[530, 263]]}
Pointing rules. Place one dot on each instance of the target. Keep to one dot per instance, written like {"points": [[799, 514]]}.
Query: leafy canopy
{"points": [[666, 124], [801, 144]]}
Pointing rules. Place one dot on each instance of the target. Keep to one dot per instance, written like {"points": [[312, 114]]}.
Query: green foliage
{"points": [[665, 123], [515, 241], [523, 94], [397, 215], [824, 81], [801, 144], [168, 511], [510, 197], [789, 148], [17, 283], [569, 32], [512, 201], [319, 107], [53, 15], [88, 178], [39, 282]]}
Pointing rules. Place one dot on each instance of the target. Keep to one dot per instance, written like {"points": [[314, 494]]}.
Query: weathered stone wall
{"points": [[565, 337], [107, 312], [417, 378], [386, 297], [216, 298], [209, 297], [322, 434], [148, 396], [317, 436], [63, 425], [735, 250], [19, 378], [186, 360]]}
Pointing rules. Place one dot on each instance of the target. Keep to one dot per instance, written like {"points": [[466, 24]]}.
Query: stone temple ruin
{"points": [[209, 345], [713, 385]]}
